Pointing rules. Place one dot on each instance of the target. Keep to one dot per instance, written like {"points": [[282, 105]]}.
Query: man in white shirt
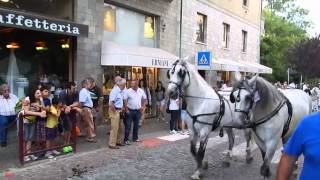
{"points": [[86, 114], [8, 103], [136, 100]]}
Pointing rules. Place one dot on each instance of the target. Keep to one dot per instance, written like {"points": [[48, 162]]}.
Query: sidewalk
{"points": [[9, 155]]}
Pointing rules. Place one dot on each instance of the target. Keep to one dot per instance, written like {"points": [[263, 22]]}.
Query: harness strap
{"points": [[267, 117], [216, 121], [286, 126]]}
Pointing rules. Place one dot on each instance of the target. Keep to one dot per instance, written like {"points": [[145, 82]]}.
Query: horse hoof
{"points": [[205, 165], [193, 177], [225, 164], [249, 160], [196, 176]]}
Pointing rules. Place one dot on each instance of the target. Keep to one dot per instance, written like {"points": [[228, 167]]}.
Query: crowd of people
{"points": [[47, 116]]}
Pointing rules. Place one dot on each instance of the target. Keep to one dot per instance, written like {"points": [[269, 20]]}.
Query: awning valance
{"points": [[113, 54], [256, 67], [241, 66]]}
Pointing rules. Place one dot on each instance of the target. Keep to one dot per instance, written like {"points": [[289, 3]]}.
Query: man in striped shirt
{"points": [[8, 102]]}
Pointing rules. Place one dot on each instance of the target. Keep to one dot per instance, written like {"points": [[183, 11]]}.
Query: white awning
{"points": [[113, 54], [257, 68], [241, 66]]}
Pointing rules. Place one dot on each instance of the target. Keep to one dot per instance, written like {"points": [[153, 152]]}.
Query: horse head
{"points": [[244, 95], [177, 76]]}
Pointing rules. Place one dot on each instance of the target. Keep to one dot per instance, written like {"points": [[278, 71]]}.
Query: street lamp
{"points": [[5, 1]]}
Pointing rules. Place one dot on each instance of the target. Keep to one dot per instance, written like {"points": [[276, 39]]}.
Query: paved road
{"points": [[164, 157]]}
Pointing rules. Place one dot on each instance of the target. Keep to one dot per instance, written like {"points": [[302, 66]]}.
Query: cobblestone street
{"points": [[151, 159]]}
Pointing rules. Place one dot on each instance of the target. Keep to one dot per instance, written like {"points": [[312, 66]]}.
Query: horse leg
{"points": [[231, 138], [193, 144], [199, 156], [249, 157], [271, 147]]}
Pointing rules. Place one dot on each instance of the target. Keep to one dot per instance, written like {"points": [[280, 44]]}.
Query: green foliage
{"points": [[289, 10], [305, 57], [280, 35]]}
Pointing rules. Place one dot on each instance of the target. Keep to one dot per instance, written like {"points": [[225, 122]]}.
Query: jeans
{"points": [[133, 116], [4, 122], [175, 116]]}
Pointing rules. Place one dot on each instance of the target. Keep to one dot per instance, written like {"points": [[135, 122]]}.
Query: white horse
{"points": [[208, 109], [271, 114], [315, 96]]}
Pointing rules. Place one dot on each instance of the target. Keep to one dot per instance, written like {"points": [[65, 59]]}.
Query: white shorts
{"points": [[161, 103]]}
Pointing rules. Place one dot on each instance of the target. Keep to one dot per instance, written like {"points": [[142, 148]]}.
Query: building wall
{"points": [[215, 19], [251, 13], [88, 53], [168, 13]]}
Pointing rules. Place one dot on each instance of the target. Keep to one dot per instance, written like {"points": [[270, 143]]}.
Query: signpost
{"points": [[204, 60]]}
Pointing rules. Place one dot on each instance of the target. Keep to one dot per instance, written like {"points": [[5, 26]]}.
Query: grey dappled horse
{"points": [[208, 109], [271, 114]]}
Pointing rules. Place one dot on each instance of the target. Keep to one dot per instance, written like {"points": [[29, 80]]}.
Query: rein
{"points": [[250, 124], [216, 121]]}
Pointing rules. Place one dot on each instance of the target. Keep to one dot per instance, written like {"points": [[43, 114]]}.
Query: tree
{"points": [[280, 35], [305, 57], [290, 11]]}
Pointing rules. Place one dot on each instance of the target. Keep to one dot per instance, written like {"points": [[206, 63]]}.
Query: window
{"points": [[244, 41], [245, 3], [226, 32], [109, 21], [127, 27], [201, 27], [149, 27]]}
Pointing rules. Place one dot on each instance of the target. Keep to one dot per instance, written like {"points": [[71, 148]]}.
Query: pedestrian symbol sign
{"points": [[204, 58]]}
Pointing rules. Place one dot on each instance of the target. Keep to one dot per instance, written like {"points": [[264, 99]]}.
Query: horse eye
{"points": [[248, 98]]}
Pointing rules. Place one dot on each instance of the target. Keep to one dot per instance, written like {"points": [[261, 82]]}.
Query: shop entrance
{"points": [[34, 57]]}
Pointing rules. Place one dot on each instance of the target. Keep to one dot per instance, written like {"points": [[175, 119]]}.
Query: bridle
{"points": [[183, 74], [243, 87]]}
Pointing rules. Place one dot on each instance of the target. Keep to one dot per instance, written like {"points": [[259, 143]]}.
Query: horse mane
{"points": [[192, 68], [269, 96]]}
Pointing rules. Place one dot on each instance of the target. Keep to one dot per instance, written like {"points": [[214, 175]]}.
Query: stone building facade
{"points": [[167, 13], [90, 12]]}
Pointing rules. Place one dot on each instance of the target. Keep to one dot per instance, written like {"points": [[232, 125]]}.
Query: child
{"points": [[41, 122], [184, 117], [51, 127], [31, 111]]}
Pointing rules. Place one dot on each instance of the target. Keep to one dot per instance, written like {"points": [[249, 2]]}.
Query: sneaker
{"points": [[127, 143], [67, 149], [173, 132], [33, 157], [137, 140], [26, 158], [70, 149], [49, 155], [54, 152]]}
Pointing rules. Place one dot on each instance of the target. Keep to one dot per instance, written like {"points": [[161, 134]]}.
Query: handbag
{"points": [[167, 109]]}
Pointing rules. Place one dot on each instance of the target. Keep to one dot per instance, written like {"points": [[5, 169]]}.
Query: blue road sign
{"points": [[204, 58]]}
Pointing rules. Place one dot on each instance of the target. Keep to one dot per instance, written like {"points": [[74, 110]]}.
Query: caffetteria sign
{"points": [[38, 23]]}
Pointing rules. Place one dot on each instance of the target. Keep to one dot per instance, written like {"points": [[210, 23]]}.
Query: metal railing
{"points": [[24, 152]]}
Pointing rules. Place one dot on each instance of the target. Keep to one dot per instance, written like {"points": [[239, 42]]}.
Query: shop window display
{"points": [[28, 57]]}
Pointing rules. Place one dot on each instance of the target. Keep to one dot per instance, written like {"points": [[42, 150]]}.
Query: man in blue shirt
{"points": [[305, 140], [116, 105], [86, 114]]}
